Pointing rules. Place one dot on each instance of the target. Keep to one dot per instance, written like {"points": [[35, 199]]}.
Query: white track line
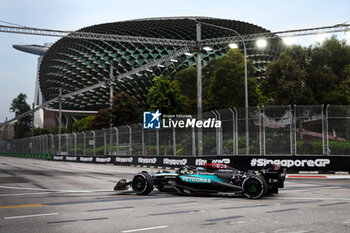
{"points": [[23, 188], [23, 194], [317, 176], [57, 191], [30, 216], [145, 229], [315, 198]]}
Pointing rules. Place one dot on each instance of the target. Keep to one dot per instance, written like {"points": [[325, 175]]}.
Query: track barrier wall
{"points": [[300, 137], [292, 163]]}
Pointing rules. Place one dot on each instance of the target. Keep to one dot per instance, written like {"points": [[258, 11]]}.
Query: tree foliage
{"points": [[223, 82], [56, 130], [100, 120], [166, 96], [125, 109], [20, 106], [187, 80], [313, 75], [286, 78], [82, 124]]}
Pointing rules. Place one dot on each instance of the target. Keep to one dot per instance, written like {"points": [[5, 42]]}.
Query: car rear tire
{"points": [[142, 184], [254, 187]]}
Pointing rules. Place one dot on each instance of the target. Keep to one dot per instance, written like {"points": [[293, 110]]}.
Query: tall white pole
{"points": [[199, 90], [59, 121], [110, 107], [199, 81], [246, 100]]}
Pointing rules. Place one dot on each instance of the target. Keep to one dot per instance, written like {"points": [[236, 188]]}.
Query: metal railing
{"points": [[273, 130]]}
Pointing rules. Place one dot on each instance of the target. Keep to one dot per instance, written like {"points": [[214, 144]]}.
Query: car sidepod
{"points": [[205, 183]]}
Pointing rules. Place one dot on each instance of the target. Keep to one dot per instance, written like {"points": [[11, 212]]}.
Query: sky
{"points": [[18, 69]]}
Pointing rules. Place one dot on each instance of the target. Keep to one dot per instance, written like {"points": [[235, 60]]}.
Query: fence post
{"points": [[75, 144], [327, 139], [174, 142], [142, 139], [104, 142], [218, 134], [67, 143], [110, 140], [83, 142], [194, 142], [39, 144], [325, 142], [47, 144], [260, 131], [130, 139], [94, 138], [52, 144], [116, 139], [42, 143], [233, 132], [293, 139], [34, 145], [236, 131], [263, 131], [157, 140]]}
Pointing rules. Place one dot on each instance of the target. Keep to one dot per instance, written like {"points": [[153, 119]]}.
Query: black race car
{"points": [[213, 178]]}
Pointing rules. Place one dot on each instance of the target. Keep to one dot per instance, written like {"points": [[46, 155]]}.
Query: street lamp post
{"points": [[59, 120], [110, 108], [199, 81], [199, 89]]}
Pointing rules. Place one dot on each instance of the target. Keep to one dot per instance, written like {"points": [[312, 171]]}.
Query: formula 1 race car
{"points": [[213, 178]]}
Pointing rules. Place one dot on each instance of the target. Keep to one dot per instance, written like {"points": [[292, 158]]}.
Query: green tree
{"points": [[100, 120], [37, 132], [166, 96], [315, 75], [56, 130], [187, 79], [125, 109], [20, 106], [328, 72], [82, 124], [286, 79], [224, 82]]}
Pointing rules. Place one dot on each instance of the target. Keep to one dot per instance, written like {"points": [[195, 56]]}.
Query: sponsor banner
{"points": [[86, 159], [71, 158], [146, 161], [124, 160], [288, 163], [244, 162], [294, 163], [174, 162], [59, 157], [106, 159]]}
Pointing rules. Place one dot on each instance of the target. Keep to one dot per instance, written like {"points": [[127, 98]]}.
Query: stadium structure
{"points": [[72, 64], [39, 50]]}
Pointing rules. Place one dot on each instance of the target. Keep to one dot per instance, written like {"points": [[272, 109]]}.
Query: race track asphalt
{"points": [[46, 196]]}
